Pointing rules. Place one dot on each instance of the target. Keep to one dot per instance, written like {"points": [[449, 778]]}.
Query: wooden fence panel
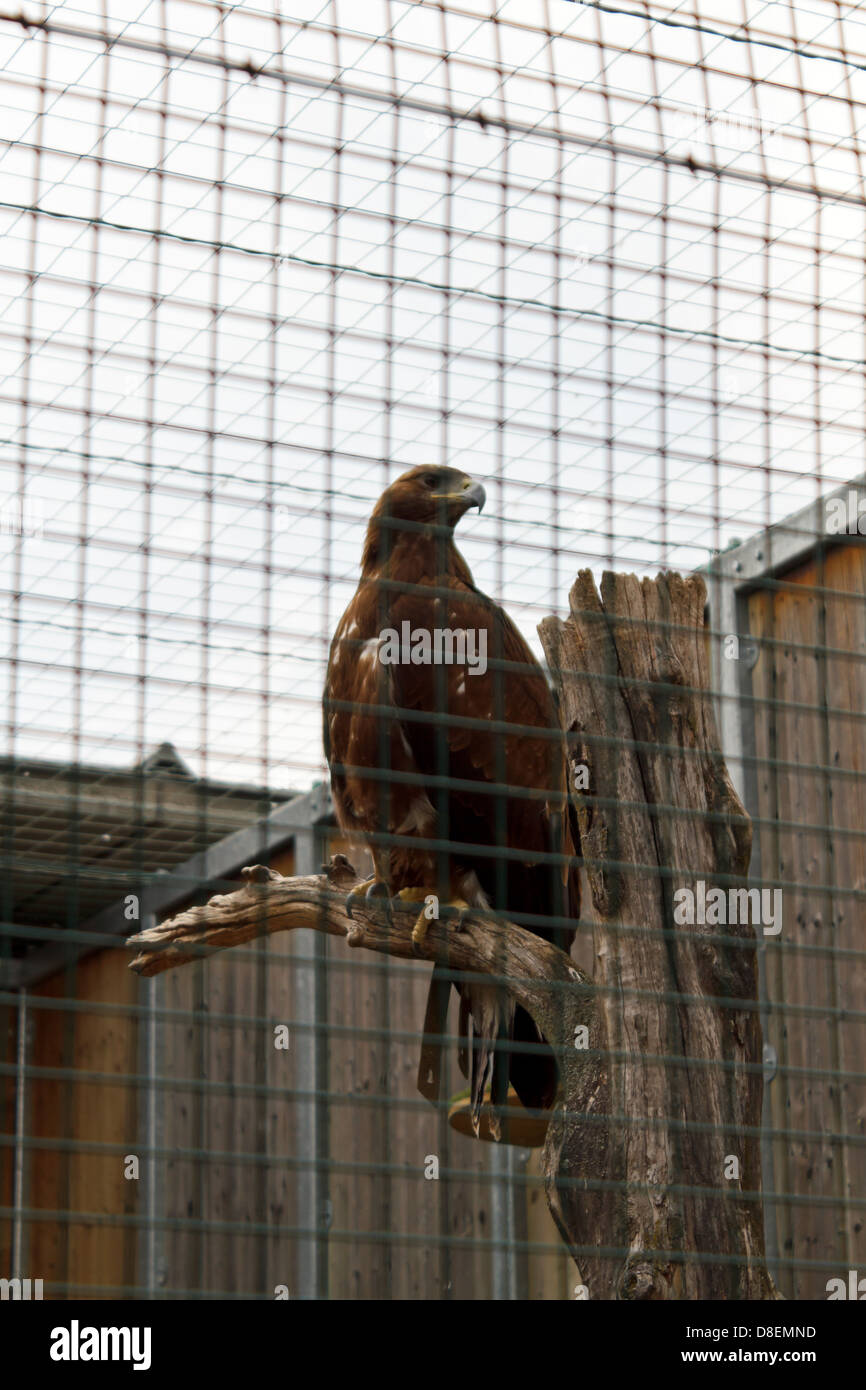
{"points": [[810, 687]]}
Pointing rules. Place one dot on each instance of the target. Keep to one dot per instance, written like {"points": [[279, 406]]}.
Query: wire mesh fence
{"points": [[606, 259]]}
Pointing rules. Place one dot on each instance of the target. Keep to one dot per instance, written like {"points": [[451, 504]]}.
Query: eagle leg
{"points": [[419, 931], [370, 889]]}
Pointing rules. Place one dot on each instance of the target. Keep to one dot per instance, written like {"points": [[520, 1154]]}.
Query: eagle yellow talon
{"points": [[412, 895], [370, 888], [416, 895], [422, 922]]}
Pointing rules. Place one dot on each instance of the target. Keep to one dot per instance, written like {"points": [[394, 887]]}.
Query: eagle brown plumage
{"points": [[457, 778]]}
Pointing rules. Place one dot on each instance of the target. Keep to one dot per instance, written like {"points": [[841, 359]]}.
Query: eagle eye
{"points": [[431, 480]]}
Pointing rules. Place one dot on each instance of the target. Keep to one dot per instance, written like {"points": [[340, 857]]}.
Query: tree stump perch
{"points": [[676, 1006], [669, 1088]]}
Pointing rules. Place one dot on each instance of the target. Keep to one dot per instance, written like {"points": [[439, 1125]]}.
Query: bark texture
{"points": [[677, 1025]]}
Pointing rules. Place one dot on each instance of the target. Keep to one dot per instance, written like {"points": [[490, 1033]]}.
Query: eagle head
{"points": [[425, 501], [430, 496]]}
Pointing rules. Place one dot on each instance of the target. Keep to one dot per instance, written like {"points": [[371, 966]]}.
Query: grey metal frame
{"points": [[731, 577]]}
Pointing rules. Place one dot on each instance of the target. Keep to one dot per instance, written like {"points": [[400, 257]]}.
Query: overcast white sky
{"points": [[641, 358]]}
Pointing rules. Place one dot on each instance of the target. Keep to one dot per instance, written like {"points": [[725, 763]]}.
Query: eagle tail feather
{"points": [[463, 1034], [492, 1017], [435, 1019]]}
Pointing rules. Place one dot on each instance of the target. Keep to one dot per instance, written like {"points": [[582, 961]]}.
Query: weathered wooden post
{"points": [[679, 1078]]}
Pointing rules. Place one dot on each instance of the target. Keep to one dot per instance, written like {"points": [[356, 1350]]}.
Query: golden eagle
{"points": [[446, 753]]}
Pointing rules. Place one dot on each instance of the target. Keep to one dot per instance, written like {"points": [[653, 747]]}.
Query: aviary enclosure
{"points": [[592, 275]]}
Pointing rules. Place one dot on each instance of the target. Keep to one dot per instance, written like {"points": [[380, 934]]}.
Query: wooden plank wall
{"points": [[8, 1051], [392, 1233], [810, 729], [90, 1250], [229, 1121]]}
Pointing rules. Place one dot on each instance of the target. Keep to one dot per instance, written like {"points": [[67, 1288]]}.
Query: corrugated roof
{"points": [[77, 837]]}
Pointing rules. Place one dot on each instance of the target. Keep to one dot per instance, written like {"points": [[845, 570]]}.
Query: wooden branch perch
{"points": [[541, 978], [638, 1149]]}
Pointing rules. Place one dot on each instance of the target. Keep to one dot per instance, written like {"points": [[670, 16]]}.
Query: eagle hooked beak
{"points": [[474, 495]]}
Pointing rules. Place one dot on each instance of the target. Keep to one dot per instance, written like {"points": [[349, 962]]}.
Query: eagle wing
{"points": [[475, 757], [495, 736]]}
